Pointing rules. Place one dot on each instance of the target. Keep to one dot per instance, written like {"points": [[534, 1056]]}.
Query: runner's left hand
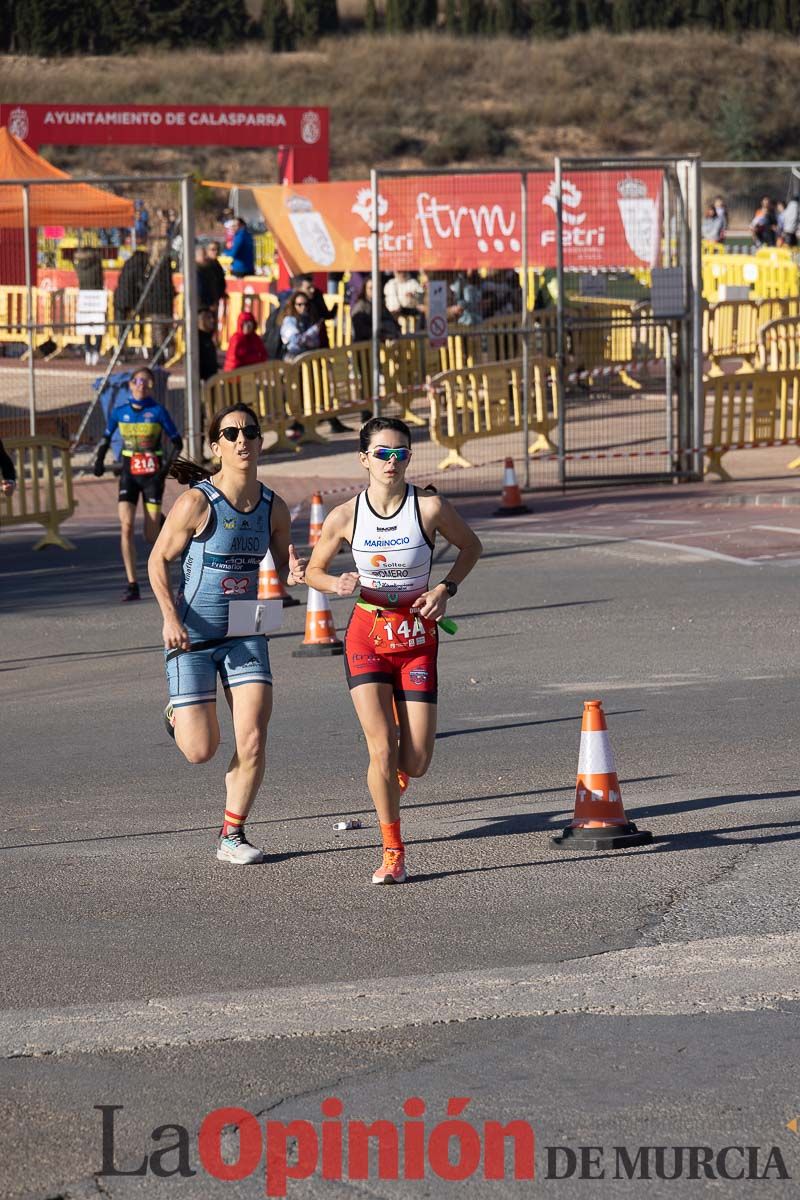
{"points": [[432, 604], [297, 568]]}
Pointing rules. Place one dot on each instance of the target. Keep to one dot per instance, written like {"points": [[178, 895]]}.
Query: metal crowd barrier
{"points": [[779, 345], [486, 400], [43, 495], [761, 406]]}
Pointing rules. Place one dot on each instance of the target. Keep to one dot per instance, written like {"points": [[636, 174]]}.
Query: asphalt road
{"points": [[646, 998]]}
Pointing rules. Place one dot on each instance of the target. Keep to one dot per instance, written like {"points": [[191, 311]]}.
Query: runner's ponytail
{"points": [[188, 472]]}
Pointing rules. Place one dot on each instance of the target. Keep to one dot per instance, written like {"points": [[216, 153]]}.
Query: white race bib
{"points": [[246, 617]]}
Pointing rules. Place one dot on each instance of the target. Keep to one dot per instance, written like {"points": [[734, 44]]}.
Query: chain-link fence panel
{"points": [[84, 301]]}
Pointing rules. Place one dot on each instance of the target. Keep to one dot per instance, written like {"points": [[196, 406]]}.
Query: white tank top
{"points": [[392, 554]]}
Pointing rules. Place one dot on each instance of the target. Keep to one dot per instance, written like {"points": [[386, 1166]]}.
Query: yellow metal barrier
{"points": [[486, 401], [43, 495], [759, 406], [779, 345], [273, 389], [335, 382], [772, 273], [13, 314]]}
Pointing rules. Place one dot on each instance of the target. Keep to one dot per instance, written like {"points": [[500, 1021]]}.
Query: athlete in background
{"points": [[145, 464], [221, 528], [391, 642]]}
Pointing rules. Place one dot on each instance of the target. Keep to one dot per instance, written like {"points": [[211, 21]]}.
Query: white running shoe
{"points": [[235, 848]]}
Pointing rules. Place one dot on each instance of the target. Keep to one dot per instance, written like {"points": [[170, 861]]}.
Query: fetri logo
{"points": [[378, 560], [573, 230]]}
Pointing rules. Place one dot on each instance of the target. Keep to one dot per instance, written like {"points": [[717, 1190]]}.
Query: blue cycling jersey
{"points": [[141, 427], [220, 564]]}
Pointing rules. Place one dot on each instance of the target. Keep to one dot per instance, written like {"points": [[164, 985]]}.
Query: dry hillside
{"points": [[434, 100]]}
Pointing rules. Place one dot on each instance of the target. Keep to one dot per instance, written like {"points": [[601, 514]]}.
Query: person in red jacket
{"points": [[245, 347]]}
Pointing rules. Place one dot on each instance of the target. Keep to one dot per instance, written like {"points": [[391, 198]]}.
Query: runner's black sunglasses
{"points": [[251, 432]]}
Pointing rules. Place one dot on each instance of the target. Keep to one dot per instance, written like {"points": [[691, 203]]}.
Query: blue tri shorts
{"points": [[192, 674]]}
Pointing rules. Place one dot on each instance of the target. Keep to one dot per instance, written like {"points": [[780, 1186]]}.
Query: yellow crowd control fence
{"points": [[312, 389], [731, 329], [487, 400], [779, 345], [761, 406], [771, 273], [43, 495]]}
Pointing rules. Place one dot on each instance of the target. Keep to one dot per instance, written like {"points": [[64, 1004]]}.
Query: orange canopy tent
{"points": [[76, 204]]}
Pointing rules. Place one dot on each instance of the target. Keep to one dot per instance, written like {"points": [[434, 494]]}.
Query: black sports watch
{"points": [[451, 586]]}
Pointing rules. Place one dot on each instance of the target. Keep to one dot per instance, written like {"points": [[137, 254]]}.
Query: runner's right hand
{"points": [[346, 584], [175, 635]]}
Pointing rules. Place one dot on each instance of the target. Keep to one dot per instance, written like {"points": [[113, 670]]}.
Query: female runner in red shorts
{"points": [[391, 642]]}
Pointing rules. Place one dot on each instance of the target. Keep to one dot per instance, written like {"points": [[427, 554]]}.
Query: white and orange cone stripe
{"points": [[316, 519], [598, 799], [320, 637], [511, 499], [269, 585]]}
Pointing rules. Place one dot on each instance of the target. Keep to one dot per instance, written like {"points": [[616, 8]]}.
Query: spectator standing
{"points": [[130, 283], [317, 308], [361, 315], [242, 251], [764, 223], [721, 209], [141, 226], [299, 332], [469, 297], [404, 295], [245, 347], [206, 281], [216, 273], [206, 329], [791, 220], [713, 229], [88, 265]]}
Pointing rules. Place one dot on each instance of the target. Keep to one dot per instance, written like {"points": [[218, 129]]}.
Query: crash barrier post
{"points": [[43, 495], [486, 401], [779, 345], [761, 406]]}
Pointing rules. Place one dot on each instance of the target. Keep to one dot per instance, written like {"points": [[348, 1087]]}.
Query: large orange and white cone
{"points": [[511, 500], [599, 822], [270, 586], [320, 630], [316, 519]]}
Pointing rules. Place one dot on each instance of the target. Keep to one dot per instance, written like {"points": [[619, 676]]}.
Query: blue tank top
{"points": [[220, 564]]}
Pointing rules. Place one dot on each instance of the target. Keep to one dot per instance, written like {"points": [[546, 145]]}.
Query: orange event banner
{"points": [[611, 219]]}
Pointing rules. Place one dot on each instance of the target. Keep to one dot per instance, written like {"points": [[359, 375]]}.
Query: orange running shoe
{"points": [[392, 869], [402, 779]]}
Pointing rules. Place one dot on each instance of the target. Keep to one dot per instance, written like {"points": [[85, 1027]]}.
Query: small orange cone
{"points": [[270, 586], [320, 630], [599, 822], [316, 519], [511, 501]]}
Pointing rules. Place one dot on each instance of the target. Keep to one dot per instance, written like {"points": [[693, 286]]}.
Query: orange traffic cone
{"points": [[320, 630], [316, 519], [270, 586], [511, 501], [599, 822]]}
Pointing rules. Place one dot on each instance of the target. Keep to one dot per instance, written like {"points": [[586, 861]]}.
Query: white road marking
{"points": [[733, 974], [650, 521], [777, 528]]}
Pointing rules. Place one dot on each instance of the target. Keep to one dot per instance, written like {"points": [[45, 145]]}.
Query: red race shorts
{"points": [[393, 646]]}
